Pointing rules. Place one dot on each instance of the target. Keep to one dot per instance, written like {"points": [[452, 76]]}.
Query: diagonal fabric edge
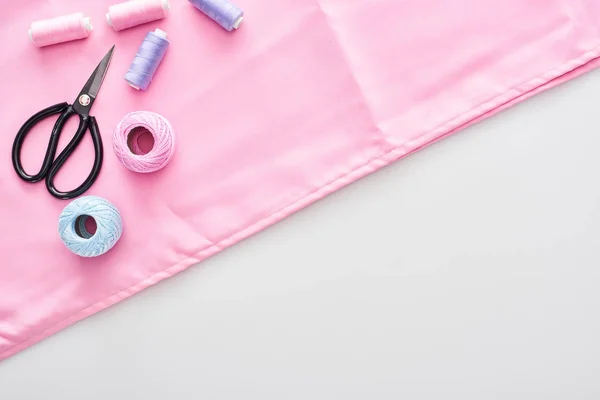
{"points": [[586, 62]]}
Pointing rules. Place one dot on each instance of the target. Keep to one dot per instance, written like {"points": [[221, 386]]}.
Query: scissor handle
{"points": [[52, 143], [85, 122], [50, 166]]}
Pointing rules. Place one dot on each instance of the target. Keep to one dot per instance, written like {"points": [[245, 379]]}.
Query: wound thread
{"points": [[147, 59], [73, 231], [136, 12], [223, 12], [127, 148], [60, 29]]}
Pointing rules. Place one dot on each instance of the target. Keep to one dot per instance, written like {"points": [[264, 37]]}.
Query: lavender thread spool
{"points": [[149, 56], [226, 14]]}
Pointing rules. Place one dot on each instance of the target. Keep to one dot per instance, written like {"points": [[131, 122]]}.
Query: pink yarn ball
{"points": [[126, 141]]}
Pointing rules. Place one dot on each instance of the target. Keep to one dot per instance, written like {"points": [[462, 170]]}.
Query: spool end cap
{"points": [[238, 22], [87, 24], [160, 33]]}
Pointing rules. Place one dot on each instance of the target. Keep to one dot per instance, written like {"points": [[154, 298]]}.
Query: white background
{"points": [[470, 270]]}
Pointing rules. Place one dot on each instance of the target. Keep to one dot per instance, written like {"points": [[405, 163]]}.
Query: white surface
{"points": [[470, 270]]}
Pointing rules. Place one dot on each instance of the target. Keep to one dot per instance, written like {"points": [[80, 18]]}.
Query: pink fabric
{"points": [[306, 97]]}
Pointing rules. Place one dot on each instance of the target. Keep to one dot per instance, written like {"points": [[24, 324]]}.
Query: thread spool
{"points": [[136, 12], [74, 231], [126, 141], [147, 59], [223, 12], [60, 29]]}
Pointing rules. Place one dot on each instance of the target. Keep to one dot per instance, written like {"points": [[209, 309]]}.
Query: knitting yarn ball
{"points": [[77, 217], [127, 147]]}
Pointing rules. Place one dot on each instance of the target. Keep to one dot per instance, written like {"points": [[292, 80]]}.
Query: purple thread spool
{"points": [[224, 13], [146, 61]]}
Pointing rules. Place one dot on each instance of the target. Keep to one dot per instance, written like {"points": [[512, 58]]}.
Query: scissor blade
{"points": [[88, 94], [92, 86]]}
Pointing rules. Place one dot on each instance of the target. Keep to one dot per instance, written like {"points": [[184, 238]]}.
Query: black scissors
{"points": [[80, 107]]}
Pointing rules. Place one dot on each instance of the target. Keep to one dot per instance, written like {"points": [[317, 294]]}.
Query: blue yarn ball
{"points": [[72, 221]]}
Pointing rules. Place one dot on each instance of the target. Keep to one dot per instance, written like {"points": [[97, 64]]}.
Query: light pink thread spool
{"points": [[136, 12], [60, 29]]}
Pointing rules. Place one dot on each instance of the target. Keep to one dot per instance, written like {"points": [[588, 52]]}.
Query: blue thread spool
{"points": [[224, 13], [74, 233], [149, 56]]}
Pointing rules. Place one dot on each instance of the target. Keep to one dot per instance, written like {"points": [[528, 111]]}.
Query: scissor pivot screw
{"points": [[84, 100]]}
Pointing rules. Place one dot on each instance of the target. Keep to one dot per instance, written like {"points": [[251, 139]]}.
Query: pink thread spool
{"points": [[136, 12], [60, 29]]}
